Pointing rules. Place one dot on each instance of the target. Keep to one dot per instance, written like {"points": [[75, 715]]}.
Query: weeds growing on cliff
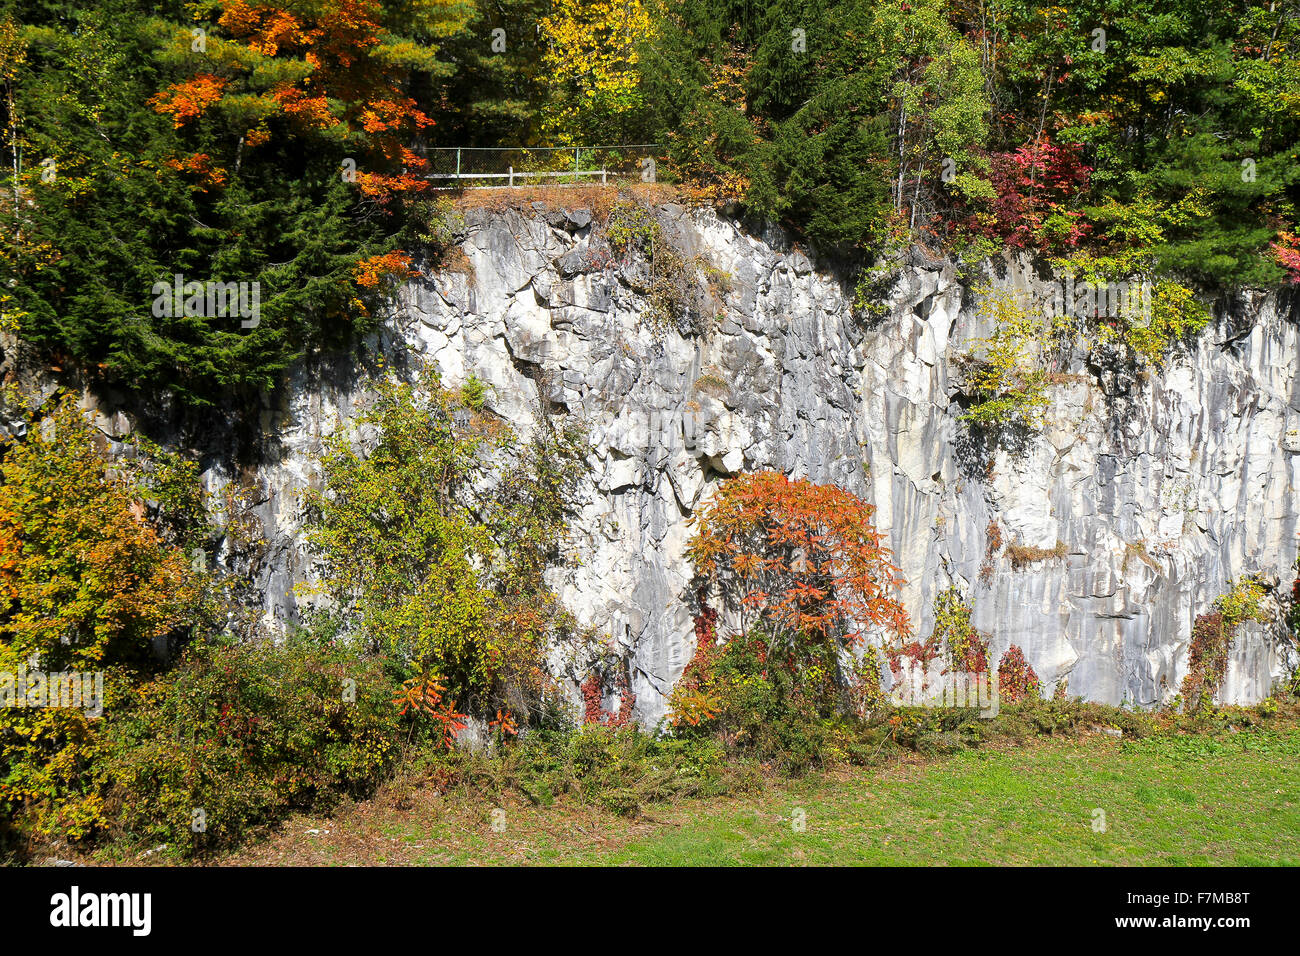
{"points": [[1002, 374], [682, 294], [874, 284], [966, 647], [1023, 555], [1213, 635], [435, 227]]}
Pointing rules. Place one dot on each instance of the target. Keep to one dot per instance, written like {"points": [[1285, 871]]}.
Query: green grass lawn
{"points": [[1174, 801], [1234, 805]]}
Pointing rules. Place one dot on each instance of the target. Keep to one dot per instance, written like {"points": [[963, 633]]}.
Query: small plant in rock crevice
{"points": [[1213, 635], [711, 383], [682, 295], [1002, 375], [873, 286], [1023, 555], [968, 648], [993, 543], [473, 392]]}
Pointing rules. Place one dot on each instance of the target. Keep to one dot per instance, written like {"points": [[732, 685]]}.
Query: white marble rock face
{"points": [[1161, 490]]}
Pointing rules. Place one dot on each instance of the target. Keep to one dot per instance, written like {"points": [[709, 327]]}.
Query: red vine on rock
{"points": [[593, 700], [1016, 678], [1207, 661]]}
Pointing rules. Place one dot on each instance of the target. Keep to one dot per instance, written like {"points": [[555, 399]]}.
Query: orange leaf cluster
{"points": [[267, 28], [370, 272], [311, 112], [187, 101], [385, 115], [803, 560], [200, 166], [347, 85], [505, 723], [380, 186], [423, 695]]}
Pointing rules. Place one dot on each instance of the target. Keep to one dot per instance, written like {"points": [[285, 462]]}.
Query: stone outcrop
{"points": [[1145, 494]]}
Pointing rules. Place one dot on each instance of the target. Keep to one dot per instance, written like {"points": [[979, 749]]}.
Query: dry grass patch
{"points": [[1022, 555], [599, 199]]}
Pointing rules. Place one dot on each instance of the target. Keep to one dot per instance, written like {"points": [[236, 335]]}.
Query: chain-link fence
{"points": [[490, 167]]}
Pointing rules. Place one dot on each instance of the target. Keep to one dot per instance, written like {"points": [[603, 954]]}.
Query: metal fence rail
{"points": [[493, 167]]}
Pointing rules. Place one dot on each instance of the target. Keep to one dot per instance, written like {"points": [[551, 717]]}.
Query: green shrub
{"points": [[244, 734], [434, 534], [1003, 374], [764, 705], [437, 225], [620, 769], [474, 392]]}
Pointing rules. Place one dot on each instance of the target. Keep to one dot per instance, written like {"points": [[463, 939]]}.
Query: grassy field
{"points": [[1169, 800]]}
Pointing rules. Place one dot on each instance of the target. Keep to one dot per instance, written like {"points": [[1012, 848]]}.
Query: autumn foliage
{"points": [[1286, 251], [806, 576], [1016, 678], [802, 561], [88, 580], [593, 700], [692, 703], [374, 270], [331, 69], [1037, 185], [424, 696], [1213, 635], [188, 100], [323, 79]]}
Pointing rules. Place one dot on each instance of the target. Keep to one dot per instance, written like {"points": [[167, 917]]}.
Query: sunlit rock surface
{"points": [[1160, 490]]}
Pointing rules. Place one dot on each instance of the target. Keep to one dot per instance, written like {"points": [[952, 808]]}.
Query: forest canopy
{"points": [[286, 144]]}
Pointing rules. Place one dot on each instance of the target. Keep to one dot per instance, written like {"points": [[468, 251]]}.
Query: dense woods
{"points": [[285, 144]]}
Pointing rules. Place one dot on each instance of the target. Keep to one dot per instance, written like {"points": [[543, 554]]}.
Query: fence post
{"points": [[603, 171], [457, 164], [512, 176], [576, 165]]}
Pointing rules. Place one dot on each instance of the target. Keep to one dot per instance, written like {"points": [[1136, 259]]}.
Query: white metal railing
{"points": [[466, 167], [512, 174]]}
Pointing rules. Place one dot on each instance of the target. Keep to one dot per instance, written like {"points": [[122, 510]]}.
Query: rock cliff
{"points": [[1144, 496]]}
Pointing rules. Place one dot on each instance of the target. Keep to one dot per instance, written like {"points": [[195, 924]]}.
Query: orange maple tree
{"points": [[801, 560]]}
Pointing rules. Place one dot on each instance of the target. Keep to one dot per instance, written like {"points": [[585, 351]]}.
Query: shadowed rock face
{"points": [[1160, 490]]}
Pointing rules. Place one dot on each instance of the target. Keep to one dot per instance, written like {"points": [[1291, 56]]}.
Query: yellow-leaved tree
{"points": [[591, 58], [91, 573]]}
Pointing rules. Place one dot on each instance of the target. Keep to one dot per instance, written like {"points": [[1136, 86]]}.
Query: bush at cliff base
{"points": [[242, 734], [97, 569], [94, 568]]}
